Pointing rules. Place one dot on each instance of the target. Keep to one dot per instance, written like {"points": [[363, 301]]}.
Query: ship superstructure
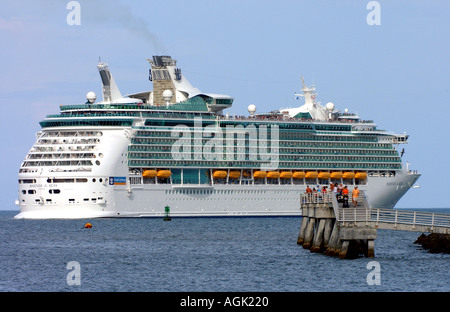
{"points": [[176, 147]]}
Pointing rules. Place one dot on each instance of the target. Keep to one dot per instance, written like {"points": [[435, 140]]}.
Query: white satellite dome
{"points": [[251, 109], [330, 106], [91, 97], [167, 95]]}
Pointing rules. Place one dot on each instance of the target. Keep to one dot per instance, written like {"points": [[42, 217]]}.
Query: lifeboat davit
{"points": [[361, 175], [348, 175], [273, 175], [164, 174], [234, 174], [336, 175], [311, 175], [219, 174], [286, 175], [149, 174], [324, 175], [298, 175], [259, 174]]}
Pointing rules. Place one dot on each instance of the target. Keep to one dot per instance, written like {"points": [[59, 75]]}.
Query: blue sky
{"points": [[395, 73]]}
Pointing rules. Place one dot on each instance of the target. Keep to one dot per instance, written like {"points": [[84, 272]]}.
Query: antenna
{"points": [[303, 82]]}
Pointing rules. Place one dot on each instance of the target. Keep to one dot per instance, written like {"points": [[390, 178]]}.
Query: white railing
{"points": [[377, 216], [393, 216], [316, 198]]}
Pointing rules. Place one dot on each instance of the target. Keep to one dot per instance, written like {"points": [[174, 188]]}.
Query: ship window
{"points": [[31, 191], [63, 180], [24, 192], [27, 181]]}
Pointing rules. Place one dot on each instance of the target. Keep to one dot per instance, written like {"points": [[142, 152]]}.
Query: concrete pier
{"points": [[320, 232], [328, 228]]}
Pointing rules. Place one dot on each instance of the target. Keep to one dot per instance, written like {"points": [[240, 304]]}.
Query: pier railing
{"points": [[395, 219]]}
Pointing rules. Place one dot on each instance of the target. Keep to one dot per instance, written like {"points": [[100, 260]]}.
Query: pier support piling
{"points": [[320, 231], [309, 233]]}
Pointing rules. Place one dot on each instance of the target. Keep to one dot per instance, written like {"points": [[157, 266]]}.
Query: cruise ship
{"points": [[175, 150]]}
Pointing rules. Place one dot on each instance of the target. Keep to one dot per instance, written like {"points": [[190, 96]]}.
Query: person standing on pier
{"points": [[355, 195]]}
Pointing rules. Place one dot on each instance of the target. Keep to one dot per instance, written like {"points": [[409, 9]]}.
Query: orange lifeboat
{"points": [[164, 174], [336, 175], [273, 175], [286, 175], [311, 175], [348, 175], [234, 174], [298, 175], [324, 175], [259, 174], [361, 175], [219, 174], [149, 174]]}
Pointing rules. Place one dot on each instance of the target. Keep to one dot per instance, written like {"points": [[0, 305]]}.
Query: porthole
{"points": [[97, 163]]}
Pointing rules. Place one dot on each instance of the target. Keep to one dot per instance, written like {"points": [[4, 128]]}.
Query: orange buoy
{"points": [[87, 225]]}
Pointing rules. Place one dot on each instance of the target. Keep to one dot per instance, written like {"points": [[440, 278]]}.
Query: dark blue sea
{"points": [[201, 255]]}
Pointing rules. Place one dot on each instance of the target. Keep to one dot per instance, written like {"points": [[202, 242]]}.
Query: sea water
{"points": [[202, 255]]}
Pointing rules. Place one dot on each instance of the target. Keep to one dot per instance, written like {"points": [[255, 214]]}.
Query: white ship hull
{"points": [[97, 197], [200, 201]]}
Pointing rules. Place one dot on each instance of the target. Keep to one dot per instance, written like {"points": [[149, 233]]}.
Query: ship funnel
{"points": [[110, 90]]}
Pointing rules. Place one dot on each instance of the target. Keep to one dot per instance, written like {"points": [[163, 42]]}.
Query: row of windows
{"points": [[66, 180], [261, 157], [42, 163], [291, 146], [71, 134], [281, 143], [68, 141], [71, 200], [149, 138], [60, 156], [86, 122], [282, 150], [249, 164], [78, 148]]}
